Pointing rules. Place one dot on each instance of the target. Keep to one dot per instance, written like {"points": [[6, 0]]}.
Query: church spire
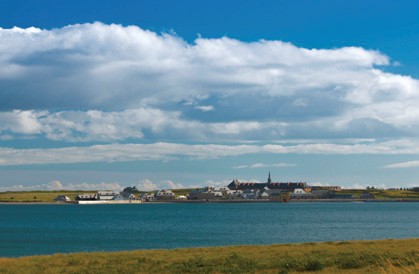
{"points": [[269, 178]]}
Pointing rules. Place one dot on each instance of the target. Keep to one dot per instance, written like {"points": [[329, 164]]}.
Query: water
{"points": [[47, 229]]}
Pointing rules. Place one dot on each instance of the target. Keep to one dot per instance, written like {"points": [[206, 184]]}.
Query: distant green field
{"points": [[385, 256], [37, 196], [385, 194]]}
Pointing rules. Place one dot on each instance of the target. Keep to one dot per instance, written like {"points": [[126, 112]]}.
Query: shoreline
{"points": [[230, 201]]}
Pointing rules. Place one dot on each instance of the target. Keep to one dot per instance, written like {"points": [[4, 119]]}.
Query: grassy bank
{"points": [[385, 256]]}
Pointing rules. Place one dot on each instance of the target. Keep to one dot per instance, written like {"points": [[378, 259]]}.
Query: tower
{"points": [[269, 178]]}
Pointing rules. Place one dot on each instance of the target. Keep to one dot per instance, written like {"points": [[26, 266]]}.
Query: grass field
{"points": [[385, 194], [385, 256], [38, 196]]}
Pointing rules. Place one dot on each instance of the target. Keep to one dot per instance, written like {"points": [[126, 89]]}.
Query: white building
{"points": [[62, 198]]}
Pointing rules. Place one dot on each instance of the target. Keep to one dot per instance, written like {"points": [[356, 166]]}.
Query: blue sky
{"points": [[192, 93]]}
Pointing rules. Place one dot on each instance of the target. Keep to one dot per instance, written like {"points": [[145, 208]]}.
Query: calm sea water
{"points": [[46, 229]]}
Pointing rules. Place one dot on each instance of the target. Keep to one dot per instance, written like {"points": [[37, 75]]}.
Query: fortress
{"points": [[285, 186]]}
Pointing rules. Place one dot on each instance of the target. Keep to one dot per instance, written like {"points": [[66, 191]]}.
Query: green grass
{"points": [[183, 191], [385, 256], [384, 194], [37, 196]]}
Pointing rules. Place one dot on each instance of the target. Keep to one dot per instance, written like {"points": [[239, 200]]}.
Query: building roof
{"points": [[235, 184], [165, 192]]}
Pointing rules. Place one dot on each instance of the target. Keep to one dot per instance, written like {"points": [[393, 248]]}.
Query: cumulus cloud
{"points": [[365, 186], [171, 185], [262, 165], [95, 125], [355, 186], [57, 185], [92, 125], [22, 122], [147, 185], [319, 184], [127, 82], [143, 185], [176, 151]]}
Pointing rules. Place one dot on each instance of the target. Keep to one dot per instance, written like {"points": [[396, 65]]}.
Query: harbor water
{"points": [[47, 229]]}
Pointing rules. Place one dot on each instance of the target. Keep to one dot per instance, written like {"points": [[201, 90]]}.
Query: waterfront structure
{"points": [[366, 195], [106, 197], [300, 194], [265, 195], [334, 188], [148, 197], [269, 191], [283, 197], [62, 198], [87, 197], [283, 186], [165, 194], [201, 194], [209, 193]]}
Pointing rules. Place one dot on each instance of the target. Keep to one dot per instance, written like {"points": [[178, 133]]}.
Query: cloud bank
{"points": [[174, 151], [58, 185], [144, 185], [107, 83]]}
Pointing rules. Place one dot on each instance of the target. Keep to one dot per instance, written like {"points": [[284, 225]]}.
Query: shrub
{"points": [[313, 265], [194, 265], [235, 263], [349, 262]]}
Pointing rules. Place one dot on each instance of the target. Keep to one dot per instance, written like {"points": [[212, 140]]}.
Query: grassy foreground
{"points": [[384, 256]]}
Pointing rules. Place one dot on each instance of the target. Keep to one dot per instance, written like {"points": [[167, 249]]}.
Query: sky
{"points": [[174, 94]]}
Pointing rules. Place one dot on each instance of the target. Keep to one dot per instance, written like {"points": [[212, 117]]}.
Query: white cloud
{"points": [[171, 185], [95, 125], [408, 164], [365, 186], [235, 127], [24, 122], [205, 108], [211, 183], [57, 185], [125, 83], [262, 165], [147, 185], [355, 186], [144, 185], [319, 184], [173, 151]]}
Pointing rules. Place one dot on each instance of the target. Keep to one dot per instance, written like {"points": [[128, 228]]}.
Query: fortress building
{"points": [[285, 186]]}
